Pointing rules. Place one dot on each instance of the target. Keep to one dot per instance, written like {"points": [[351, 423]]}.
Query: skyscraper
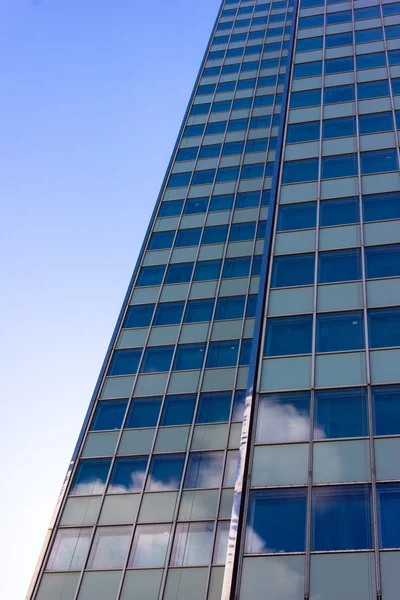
{"points": [[243, 440]]}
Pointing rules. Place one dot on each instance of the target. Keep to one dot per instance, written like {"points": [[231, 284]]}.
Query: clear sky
{"points": [[92, 93]]}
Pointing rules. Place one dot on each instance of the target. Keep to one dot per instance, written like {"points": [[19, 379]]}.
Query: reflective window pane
{"points": [[339, 265], [384, 327], [221, 543], [110, 548], [128, 475], [90, 477], [340, 331], [342, 211], [386, 406], [192, 544], [204, 470], [108, 415], [297, 216], [214, 407], [388, 514], [178, 410], [289, 335], [69, 550], [165, 472], [143, 412], [283, 417], [294, 270], [150, 544], [340, 413]]}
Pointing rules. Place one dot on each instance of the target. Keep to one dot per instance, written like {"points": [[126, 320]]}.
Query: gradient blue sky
{"points": [[92, 97]]}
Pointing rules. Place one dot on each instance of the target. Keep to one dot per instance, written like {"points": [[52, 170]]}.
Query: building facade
{"points": [[243, 440]]}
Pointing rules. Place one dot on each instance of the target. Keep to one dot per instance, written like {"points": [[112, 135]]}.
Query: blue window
{"points": [[179, 273], [188, 237], [373, 89], [227, 69], [379, 161], [306, 98], [384, 327], [242, 231], [334, 18], [90, 477], [339, 65], [253, 50], [211, 151], [340, 331], [260, 122], [138, 316], [379, 207], [189, 356], [252, 171], [195, 206], [265, 197], [256, 266], [376, 122], [202, 177], [109, 415], [169, 313], [266, 81], [187, 154], [339, 39], [311, 3], [227, 174], [263, 100], [341, 413], [231, 148], [303, 132], [339, 166], [277, 521], [289, 335], [207, 270], [218, 127], [339, 265], [342, 93], [170, 209], [226, 86], [370, 12], [341, 518], [333, 128], [199, 109], [246, 84], [221, 106], [314, 43], [204, 90], [199, 310], [386, 408], [314, 21], [247, 199], [396, 86], [390, 9], [221, 39], [216, 54], [161, 240], [222, 354], [261, 230], [392, 31], [369, 35], [209, 72], [251, 306], [308, 69], [294, 270], [223, 202], [382, 261], [295, 171], [234, 51], [128, 475], [231, 307], [284, 417], [241, 103], [165, 472], [143, 412], [297, 216], [238, 405], [339, 212], [245, 353], [388, 511], [215, 235], [370, 61], [236, 267], [204, 470], [150, 276], [125, 362], [178, 409], [193, 130], [249, 66], [259, 145], [157, 359], [214, 407]]}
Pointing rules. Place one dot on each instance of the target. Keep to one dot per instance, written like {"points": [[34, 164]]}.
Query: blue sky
{"points": [[92, 97]]}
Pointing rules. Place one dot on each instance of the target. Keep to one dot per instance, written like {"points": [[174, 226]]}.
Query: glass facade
{"points": [[243, 439]]}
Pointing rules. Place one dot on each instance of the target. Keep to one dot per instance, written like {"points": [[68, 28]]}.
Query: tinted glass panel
{"points": [[340, 413], [340, 331], [386, 405], [289, 335]]}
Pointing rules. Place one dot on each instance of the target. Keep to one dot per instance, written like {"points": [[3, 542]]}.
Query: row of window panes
{"points": [[205, 270], [242, 67], [223, 202], [341, 519], [192, 546], [250, 49], [241, 84], [204, 470], [335, 332], [342, 165], [221, 175], [257, 8], [344, 93], [341, 211], [338, 413], [178, 409], [333, 66], [347, 16], [238, 104], [197, 311], [220, 40], [361, 36], [377, 122], [336, 265], [229, 148], [158, 359]]}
